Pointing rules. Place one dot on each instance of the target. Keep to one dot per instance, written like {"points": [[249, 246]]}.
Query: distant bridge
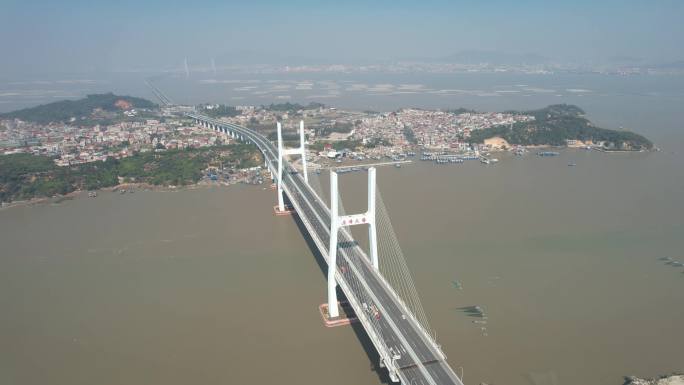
{"points": [[378, 287]]}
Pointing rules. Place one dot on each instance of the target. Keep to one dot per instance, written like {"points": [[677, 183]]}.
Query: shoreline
{"points": [[123, 186], [672, 379], [202, 183]]}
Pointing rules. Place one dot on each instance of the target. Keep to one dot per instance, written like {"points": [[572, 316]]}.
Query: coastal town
{"points": [[71, 144], [122, 140], [366, 134]]}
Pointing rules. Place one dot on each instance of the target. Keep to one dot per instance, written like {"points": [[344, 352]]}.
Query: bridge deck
{"points": [[396, 330]]}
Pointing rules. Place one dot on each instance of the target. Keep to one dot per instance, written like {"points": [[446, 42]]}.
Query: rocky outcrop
{"points": [[664, 380]]}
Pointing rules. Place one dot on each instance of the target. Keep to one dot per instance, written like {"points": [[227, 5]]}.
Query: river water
{"points": [[208, 286]]}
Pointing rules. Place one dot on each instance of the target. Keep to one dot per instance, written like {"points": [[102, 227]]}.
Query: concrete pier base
{"points": [[342, 320], [289, 210]]}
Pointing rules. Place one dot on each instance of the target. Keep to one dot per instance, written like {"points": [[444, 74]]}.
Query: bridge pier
{"points": [[268, 167]]}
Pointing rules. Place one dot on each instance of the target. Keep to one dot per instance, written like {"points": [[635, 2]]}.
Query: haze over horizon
{"points": [[39, 36]]}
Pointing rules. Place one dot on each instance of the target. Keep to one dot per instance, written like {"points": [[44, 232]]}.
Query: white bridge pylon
{"points": [[337, 222], [301, 150]]}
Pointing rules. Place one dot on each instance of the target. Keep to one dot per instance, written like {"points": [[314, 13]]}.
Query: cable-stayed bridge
{"points": [[377, 284], [158, 93]]}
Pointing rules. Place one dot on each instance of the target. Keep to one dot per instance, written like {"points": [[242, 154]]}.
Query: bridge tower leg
{"points": [[370, 217], [281, 203], [333, 311], [302, 149]]}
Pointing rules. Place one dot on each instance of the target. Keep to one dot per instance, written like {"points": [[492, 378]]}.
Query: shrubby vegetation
{"points": [[24, 176], [63, 111], [410, 135], [556, 124], [461, 110], [292, 107], [220, 111], [338, 127], [338, 145], [377, 142]]}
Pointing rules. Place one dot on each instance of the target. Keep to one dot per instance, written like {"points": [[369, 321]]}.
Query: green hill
{"points": [[556, 124], [65, 110]]}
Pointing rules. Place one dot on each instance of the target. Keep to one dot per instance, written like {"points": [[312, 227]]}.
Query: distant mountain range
{"points": [[493, 57], [246, 58], [677, 65]]}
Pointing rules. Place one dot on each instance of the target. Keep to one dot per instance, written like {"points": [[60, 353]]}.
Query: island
{"points": [[561, 125]]}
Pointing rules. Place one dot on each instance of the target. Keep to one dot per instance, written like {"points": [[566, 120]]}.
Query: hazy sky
{"points": [[72, 35]]}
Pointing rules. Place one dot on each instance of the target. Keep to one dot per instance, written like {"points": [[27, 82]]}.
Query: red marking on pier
{"points": [[338, 321], [289, 210]]}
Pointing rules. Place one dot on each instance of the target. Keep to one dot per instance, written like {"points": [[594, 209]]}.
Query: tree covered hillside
{"points": [[555, 125], [65, 110]]}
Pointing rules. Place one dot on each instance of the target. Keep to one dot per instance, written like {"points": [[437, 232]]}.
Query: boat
{"points": [[397, 165], [573, 164], [548, 153]]}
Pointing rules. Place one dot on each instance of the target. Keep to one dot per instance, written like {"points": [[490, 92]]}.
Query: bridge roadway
{"points": [[396, 330]]}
